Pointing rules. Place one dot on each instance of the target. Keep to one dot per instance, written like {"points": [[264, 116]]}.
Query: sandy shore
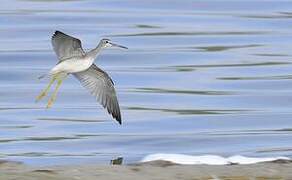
{"points": [[154, 170]]}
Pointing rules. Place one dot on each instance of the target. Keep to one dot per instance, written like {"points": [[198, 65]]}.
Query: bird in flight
{"points": [[74, 60]]}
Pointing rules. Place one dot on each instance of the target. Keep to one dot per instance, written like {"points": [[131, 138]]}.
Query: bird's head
{"points": [[108, 43]]}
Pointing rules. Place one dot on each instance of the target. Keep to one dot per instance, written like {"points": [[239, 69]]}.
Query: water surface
{"points": [[200, 77]]}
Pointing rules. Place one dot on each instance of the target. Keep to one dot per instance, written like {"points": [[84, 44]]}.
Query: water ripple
{"points": [[193, 33], [178, 91], [191, 111]]}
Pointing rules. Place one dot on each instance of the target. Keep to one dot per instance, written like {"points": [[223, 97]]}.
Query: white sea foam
{"points": [[209, 159]]}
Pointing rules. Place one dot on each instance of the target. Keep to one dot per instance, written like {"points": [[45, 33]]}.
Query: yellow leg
{"points": [[54, 95], [45, 91]]}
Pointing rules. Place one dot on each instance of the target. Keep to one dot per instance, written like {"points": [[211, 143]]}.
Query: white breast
{"points": [[72, 65]]}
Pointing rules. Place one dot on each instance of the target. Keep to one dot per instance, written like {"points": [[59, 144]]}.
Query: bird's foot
{"points": [[50, 103], [39, 97]]}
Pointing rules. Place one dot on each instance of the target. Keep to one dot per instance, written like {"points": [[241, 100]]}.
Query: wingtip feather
{"points": [[119, 120], [57, 32], [117, 117]]}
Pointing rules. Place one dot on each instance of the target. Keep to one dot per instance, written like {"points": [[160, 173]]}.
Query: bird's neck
{"points": [[94, 52]]}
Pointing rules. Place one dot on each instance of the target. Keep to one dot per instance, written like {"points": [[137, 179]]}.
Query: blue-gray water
{"points": [[200, 77]]}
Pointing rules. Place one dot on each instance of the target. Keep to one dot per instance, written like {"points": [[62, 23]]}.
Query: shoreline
{"points": [[151, 170]]}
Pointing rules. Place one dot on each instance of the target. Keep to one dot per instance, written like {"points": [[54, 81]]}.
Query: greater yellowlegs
{"points": [[74, 60]]}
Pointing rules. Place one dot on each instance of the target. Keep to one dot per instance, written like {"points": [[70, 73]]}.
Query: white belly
{"points": [[72, 65]]}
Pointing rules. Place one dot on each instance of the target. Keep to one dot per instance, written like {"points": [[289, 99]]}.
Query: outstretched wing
{"points": [[101, 86], [66, 46]]}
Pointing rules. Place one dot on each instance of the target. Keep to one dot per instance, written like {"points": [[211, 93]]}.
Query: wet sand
{"points": [[154, 170]]}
